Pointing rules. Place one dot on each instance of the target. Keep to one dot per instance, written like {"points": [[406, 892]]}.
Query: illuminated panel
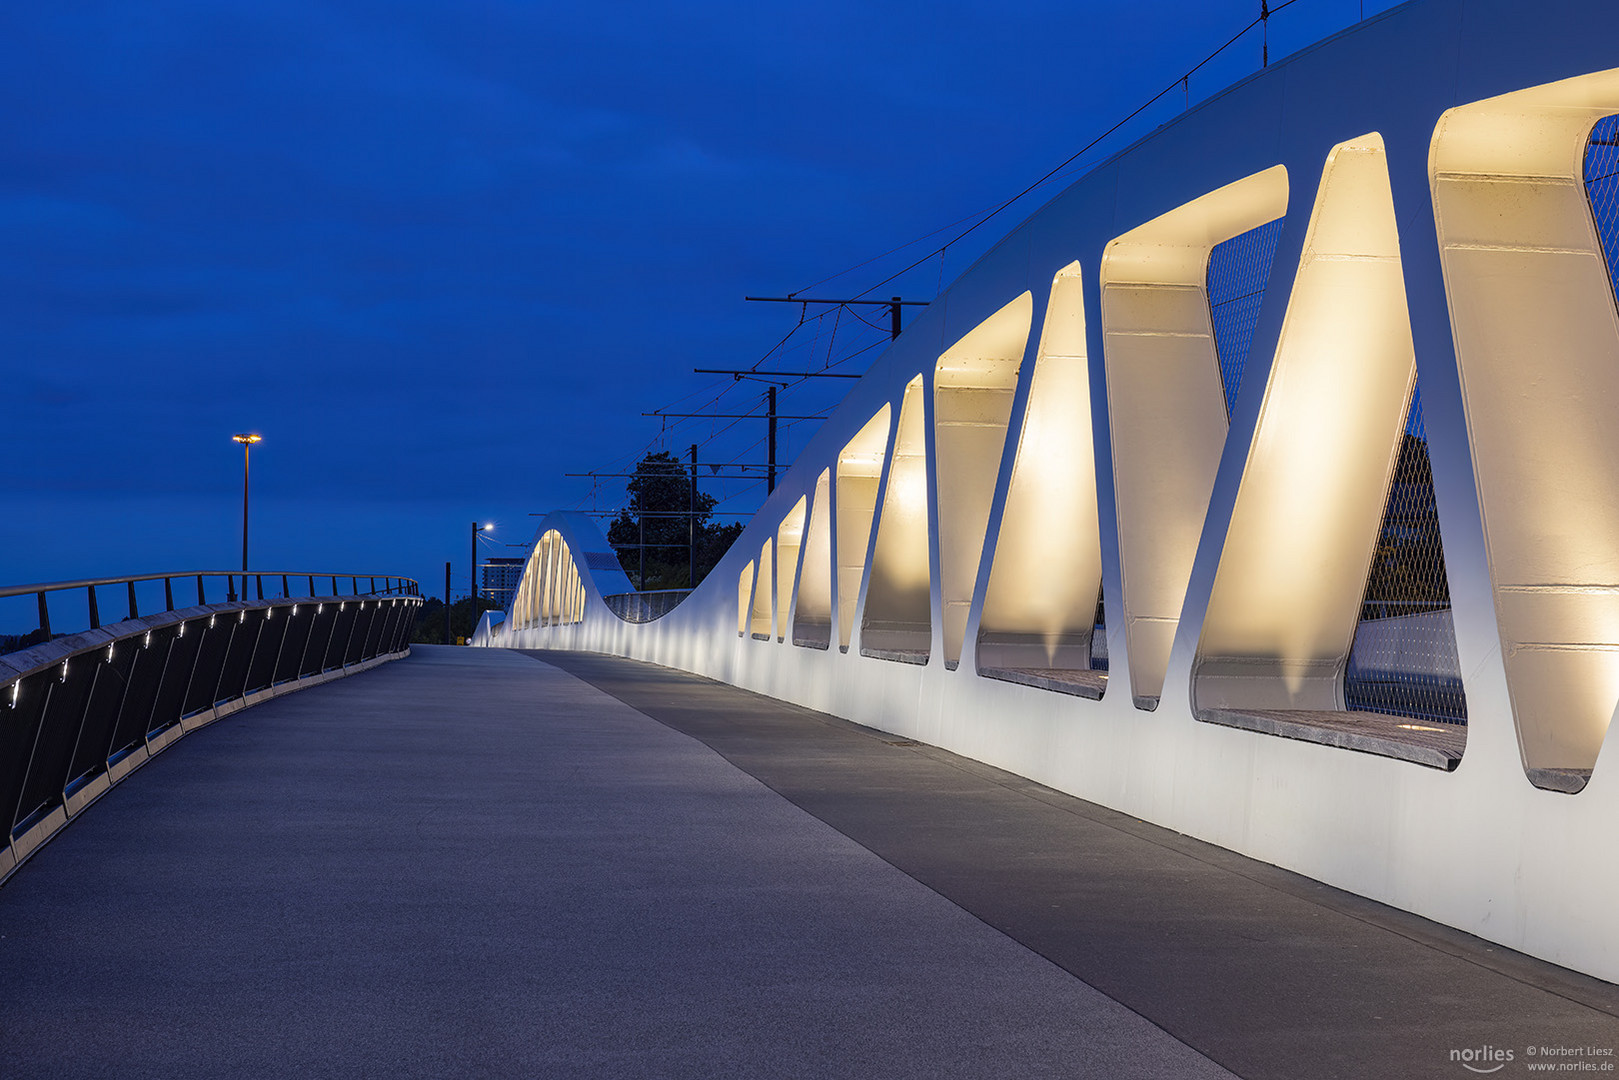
{"points": [[567, 584], [553, 550], [1292, 573], [1166, 403], [542, 560], [1537, 343], [531, 584], [812, 608], [897, 623], [973, 385], [763, 595], [579, 597], [536, 568], [1046, 573], [744, 591], [559, 558], [860, 470], [525, 611], [789, 538]]}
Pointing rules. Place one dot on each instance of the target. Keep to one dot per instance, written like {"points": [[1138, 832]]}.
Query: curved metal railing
{"points": [[391, 586], [81, 711]]}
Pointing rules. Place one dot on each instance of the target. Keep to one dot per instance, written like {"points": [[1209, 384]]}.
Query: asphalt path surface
{"points": [[468, 863]]}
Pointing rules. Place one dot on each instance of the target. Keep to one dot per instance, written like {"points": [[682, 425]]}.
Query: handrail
{"points": [[393, 585], [83, 710], [55, 586]]}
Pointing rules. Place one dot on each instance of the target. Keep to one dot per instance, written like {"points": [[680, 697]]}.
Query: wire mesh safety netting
{"points": [[1404, 656], [1239, 271], [1099, 637], [1602, 186], [1403, 660]]}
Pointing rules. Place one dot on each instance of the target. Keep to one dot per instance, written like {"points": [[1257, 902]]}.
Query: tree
{"points": [[464, 616], [653, 534]]}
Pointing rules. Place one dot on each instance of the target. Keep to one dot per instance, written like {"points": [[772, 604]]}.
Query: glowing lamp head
{"points": [[489, 526], [247, 438]]}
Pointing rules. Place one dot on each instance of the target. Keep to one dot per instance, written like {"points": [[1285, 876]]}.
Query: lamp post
{"points": [[476, 529], [247, 441]]}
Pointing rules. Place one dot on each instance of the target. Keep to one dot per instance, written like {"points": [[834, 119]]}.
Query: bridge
{"points": [[1216, 592], [488, 862], [1259, 486]]}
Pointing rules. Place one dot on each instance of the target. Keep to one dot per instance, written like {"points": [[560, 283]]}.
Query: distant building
{"points": [[500, 578]]}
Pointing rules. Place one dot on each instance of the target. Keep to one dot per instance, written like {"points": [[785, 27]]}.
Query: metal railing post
{"points": [[168, 593], [95, 613], [44, 616], [134, 608]]}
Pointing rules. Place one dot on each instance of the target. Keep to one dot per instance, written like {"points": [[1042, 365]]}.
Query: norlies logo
{"points": [[1481, 1059]]}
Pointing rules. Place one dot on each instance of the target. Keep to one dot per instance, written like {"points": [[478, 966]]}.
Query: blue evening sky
{"points": [[441, 254]]}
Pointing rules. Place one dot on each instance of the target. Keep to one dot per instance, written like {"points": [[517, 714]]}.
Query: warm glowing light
{"points": [[1292, 572], [1418, 727], [1166, 446], [247, 438]]}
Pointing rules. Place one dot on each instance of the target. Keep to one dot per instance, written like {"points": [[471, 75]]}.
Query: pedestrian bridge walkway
{"points": [[481, 862]]}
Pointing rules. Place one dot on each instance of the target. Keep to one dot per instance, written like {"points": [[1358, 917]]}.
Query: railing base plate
{"points": [[87, 794], [24, 845]]}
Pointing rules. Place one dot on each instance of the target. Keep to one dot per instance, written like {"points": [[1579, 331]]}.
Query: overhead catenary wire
{"points": [[972, 222], [985, 216]]}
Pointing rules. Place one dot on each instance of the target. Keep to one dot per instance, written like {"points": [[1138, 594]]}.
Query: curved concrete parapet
{"points": [[80, 713], [1041, 490]]}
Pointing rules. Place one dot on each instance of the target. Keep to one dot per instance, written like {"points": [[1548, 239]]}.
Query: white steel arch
{"points": [[913, 542]]}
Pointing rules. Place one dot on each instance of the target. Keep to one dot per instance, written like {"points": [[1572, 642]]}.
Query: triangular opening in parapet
{"points": [[1041, 623], [1166, 401], [789, 543], [744, 599], [974, 384], [1403, 661], [1333, 516], [1239, 272], [764, 608], [812, 603], [860, 470], [897, 622]]}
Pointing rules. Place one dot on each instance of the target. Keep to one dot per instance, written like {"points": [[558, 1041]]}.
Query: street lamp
{"points": [[247, 441], [476, 529]]}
